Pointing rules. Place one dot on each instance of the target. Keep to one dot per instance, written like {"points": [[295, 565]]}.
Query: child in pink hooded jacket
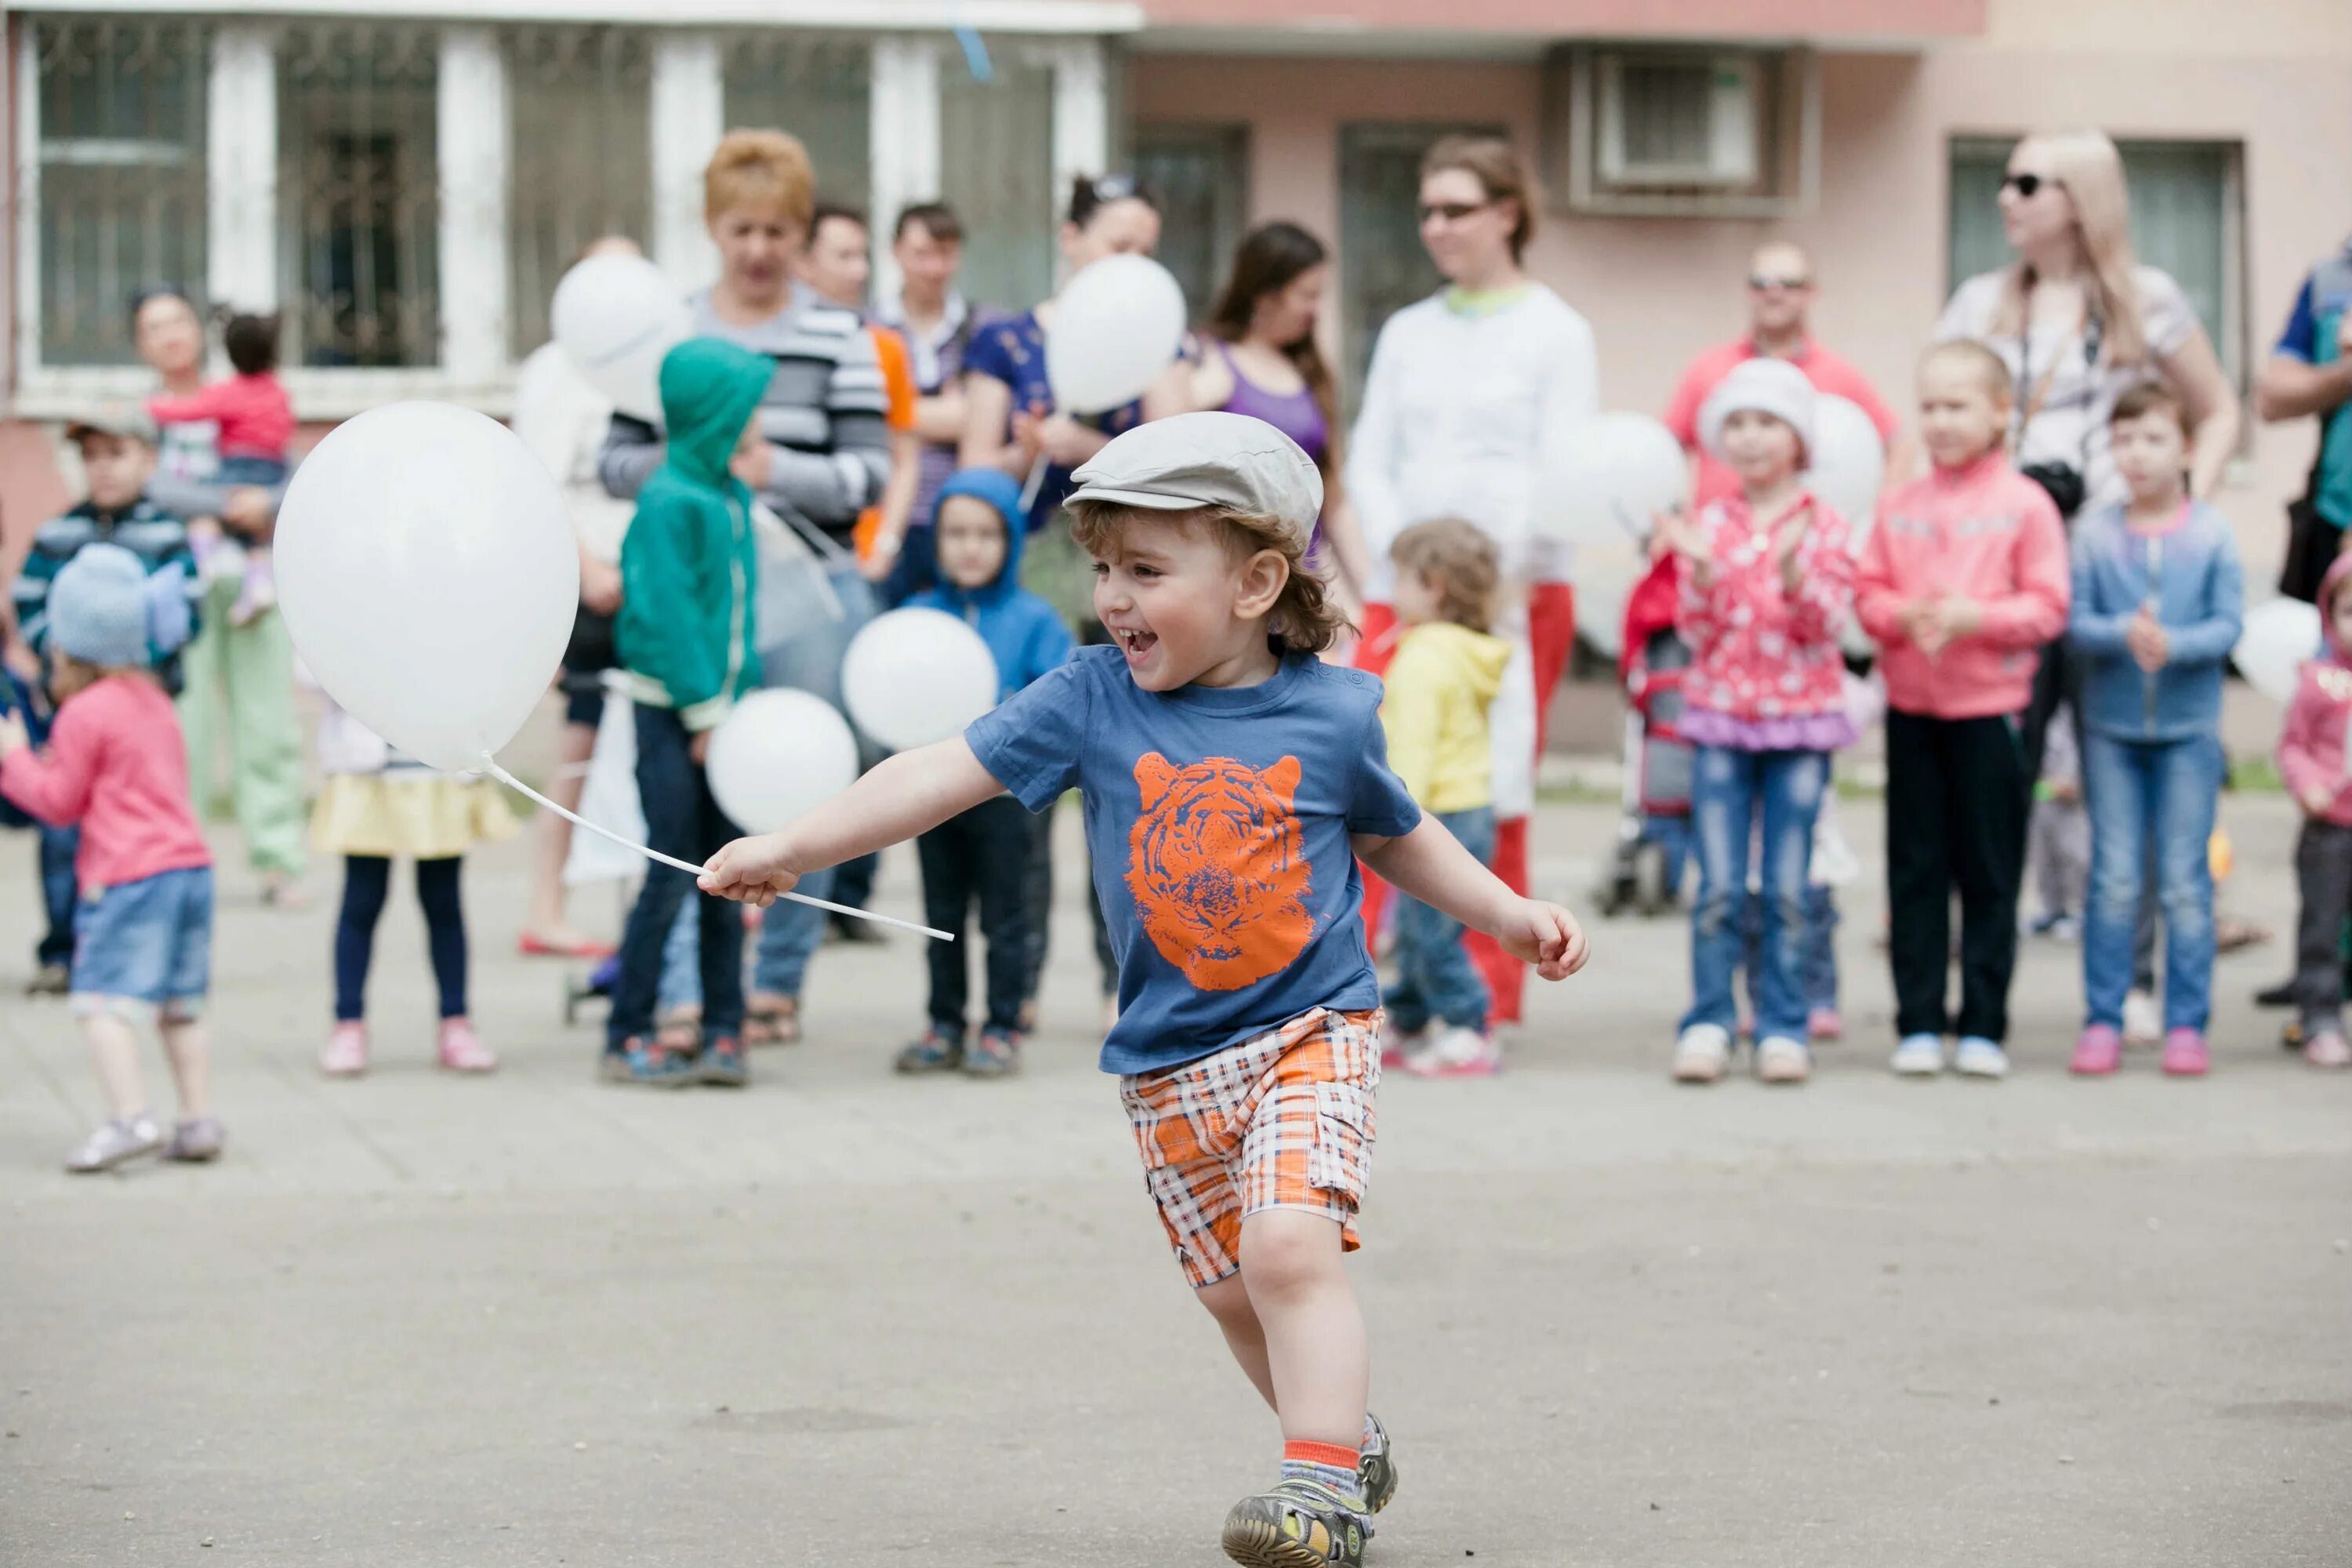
{"points": [[2314, 761], [1767, 579], [1963, 581]]}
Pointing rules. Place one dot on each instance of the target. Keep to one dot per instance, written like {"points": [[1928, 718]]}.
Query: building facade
{"points": [[405, 180]]}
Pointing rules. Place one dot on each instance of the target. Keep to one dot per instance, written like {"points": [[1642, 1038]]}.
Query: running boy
{"points": [[1229, 777], [117, 766], [2157, 600], [1962, 582], [982, 854]]}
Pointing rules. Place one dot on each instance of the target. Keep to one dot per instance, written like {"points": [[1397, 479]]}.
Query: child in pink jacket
{"points": [[1963, 581], [1766, 580], [2312, 759]]}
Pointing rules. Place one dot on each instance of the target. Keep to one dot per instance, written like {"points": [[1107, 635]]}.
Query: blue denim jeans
{"points": [[1435, 977], [2159, 793], [1671, 835], [789, 932], [1820, 976], [1731, 792]]}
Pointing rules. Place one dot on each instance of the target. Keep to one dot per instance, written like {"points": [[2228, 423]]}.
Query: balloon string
{"points": [[512, 783]]}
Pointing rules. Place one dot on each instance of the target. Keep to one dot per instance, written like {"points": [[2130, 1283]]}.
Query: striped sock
{"points": [[1326, 1464]]}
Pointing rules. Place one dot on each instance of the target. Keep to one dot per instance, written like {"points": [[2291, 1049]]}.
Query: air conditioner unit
{"points": [[1679, 119]]}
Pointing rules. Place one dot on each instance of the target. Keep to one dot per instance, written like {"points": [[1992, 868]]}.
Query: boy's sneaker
{"points": [[1376, 1473], [936, 1051], [1919, 1055], [2143, 1023], [721, 1064], [1459, 1052], [196, 1142], [458, 1049], [2184, 1053], [346, 1052], [1980, 1058], [996, 1053], [50, 980], [2099, 1052], [1299, 1524], [655, 1065], [1781, 1059], [1398, 1044], [256, 595], [1824, 1024], [2326, 1048], [1702, 1053], [114, 1144]]}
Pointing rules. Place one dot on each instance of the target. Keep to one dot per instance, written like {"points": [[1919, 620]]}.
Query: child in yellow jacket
{"points": [[1441, 682]]}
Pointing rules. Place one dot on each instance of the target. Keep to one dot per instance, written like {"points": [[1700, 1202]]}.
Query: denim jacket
{"points": [[2193, 577]]}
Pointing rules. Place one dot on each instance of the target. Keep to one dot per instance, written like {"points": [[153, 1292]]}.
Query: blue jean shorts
{"points": [[146, 944]]}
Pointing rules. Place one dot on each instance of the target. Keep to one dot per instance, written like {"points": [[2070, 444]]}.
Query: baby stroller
{"points": [[1645, 869]]}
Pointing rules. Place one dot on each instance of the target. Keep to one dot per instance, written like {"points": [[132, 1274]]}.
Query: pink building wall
{"points": [[1658, 290]]}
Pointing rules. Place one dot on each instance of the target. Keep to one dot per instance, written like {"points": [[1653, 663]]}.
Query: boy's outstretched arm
{"points": [[906, 795], [1430, 864]]}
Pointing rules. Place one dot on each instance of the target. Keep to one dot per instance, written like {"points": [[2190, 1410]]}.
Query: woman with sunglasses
{"points": [[1468, 388], [2079, 323]]}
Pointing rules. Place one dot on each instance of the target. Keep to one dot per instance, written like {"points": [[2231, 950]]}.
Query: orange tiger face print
{"points": [[1218, 868]]}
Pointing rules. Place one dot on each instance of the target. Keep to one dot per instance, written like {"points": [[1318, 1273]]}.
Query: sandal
{"points": [[773, 1021]]}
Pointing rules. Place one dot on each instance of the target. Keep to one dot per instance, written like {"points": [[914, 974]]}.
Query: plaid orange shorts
{"points": [[1283, 1121]]}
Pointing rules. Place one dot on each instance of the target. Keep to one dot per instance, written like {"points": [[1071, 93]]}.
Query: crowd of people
{"points": [[2049, 607]]}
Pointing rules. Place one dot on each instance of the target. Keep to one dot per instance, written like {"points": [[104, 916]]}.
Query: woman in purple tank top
{"points": [[1257, 355]]}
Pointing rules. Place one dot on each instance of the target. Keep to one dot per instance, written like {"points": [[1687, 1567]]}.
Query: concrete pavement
{"points": [[846, 1320]]}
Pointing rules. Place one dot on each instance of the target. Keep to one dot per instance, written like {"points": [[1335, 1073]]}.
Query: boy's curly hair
{"points": [[1306, 619], [1459, 559]]}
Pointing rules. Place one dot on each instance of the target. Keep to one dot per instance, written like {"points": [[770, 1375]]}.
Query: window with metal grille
{"points": [[820, 90], [358, 211], [582, 157], [1201, 174], [120, 203], [2187, 218], [996, 168]]}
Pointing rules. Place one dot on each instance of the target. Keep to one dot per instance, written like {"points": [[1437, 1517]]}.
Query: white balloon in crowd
{"points": [[915, 676], [1116, 328], [428, 574], [617, 316], [1849, 463], [779, 754], [2275, 641], [1608, 480]]}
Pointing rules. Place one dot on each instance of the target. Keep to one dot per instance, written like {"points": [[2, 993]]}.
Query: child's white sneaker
{"points": [[1781, 1059], [116, 1143], [1980, 1058], [1702, 1053], [1919, 1055], [1458, 1052]]}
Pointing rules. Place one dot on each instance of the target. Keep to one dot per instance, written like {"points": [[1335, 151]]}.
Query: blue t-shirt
{"points": [[1013, 352], [1219, 821]]}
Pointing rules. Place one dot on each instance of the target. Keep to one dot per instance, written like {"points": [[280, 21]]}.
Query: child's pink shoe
{"points": [[462, 1051], [2099, 1052], [2327, 1048], [346, 1055], [1824, 1023], [2184, 1053]]}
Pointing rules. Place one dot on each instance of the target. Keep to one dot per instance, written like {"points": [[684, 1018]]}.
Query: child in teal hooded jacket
{"points": [[690, 572], [984, 855]]}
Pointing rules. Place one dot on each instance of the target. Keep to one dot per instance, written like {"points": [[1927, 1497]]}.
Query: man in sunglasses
{"points": [[1780, 300]]}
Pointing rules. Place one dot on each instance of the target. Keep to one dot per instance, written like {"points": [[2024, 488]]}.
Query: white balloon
{"points": [[780, 754], [1606, 573], [429, 573], [1117, 327], [2273, 643], [617, 316], [1608, 480], [915, 676], [1849, 463]]}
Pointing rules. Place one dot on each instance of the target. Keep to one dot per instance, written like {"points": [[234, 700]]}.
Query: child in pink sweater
{"points": [[1963, 581], [1767, 579], [256, 422], [2314, 760], [117, 766]]}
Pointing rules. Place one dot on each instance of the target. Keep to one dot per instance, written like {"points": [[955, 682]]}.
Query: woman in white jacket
{"points": [[1467, 390]]}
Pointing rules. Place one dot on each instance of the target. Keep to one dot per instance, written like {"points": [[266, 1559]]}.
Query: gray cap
{"points": [[129, 419], [1228, 460]]}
